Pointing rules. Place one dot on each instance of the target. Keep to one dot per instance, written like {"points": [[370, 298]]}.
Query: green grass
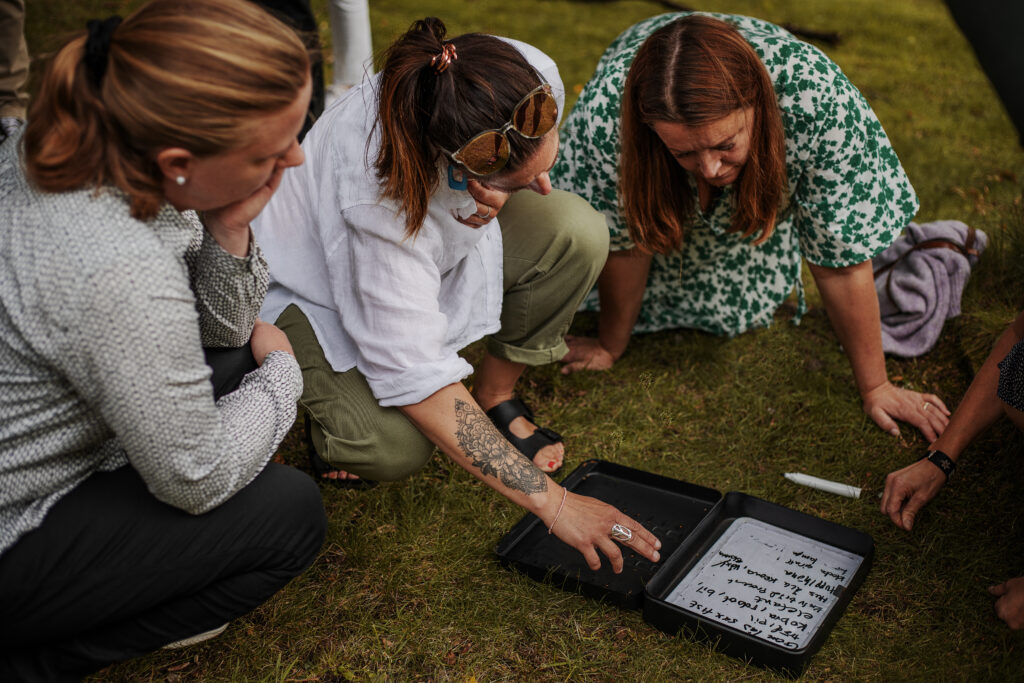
{"points": [[407, 586]]}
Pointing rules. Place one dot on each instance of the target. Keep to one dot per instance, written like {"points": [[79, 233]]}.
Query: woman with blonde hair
{"points": [[137, 505], [743, 151]]}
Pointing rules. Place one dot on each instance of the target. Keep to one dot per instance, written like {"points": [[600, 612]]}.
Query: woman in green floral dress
{"points": [[743, 150]]}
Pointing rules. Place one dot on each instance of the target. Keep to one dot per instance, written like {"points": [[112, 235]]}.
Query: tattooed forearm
{"points": [[487, 449]]}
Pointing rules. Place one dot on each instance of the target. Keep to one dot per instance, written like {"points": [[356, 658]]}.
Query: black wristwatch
{"points": [[942, 461]]}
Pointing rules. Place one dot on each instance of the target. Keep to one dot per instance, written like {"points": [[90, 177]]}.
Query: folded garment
{"points": [[920, 279]]}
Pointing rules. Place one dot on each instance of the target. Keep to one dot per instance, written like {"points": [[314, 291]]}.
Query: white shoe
{"points": [[198, 638]]}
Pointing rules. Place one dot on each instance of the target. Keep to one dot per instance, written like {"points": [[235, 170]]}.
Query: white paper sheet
{"points": [[768, 582]]}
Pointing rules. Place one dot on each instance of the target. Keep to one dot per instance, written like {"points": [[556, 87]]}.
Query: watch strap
{"points": [[942, 461]]}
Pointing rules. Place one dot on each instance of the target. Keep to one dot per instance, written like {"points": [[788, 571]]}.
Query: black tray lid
{"points": [[669, 508]]}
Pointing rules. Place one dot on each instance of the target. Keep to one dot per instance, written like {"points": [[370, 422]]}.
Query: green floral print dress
{"points": [[849, 198]]}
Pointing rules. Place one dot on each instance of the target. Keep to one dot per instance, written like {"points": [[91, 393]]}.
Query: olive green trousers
{"points": [[554, 248]]}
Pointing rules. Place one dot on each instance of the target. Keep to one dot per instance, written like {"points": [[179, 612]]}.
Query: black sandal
{"points": [[502, 416], [321, 467]]}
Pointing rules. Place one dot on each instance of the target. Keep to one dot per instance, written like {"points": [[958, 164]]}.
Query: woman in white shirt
{"points": [[386, 260]]}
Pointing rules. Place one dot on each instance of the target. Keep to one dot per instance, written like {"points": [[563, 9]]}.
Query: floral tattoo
{"points": [[492, 453]]}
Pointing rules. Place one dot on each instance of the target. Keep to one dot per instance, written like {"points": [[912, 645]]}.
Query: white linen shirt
{"points": [[397, 309]]}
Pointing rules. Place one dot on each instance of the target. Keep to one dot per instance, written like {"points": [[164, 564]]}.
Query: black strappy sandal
{"points": [[321, 467], [502, 416]]}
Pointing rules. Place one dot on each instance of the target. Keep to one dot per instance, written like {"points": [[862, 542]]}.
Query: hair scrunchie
{"points": [[97, 46], [444, 59]]}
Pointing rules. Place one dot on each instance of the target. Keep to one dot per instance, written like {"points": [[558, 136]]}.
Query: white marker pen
{"points": [[823, 484]]}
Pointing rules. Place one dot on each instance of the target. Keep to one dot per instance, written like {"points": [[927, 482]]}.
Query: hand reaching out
{"points": [[887, 403], [585, 524], [586, 353], [1010, 605], [908, 490]]}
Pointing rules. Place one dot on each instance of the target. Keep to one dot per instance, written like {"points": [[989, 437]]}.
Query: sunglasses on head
{"points": [[532, 118]]}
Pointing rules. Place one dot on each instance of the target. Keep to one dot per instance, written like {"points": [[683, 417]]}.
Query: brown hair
{"points": [[694, 71], [195, 74], [422, 112]]}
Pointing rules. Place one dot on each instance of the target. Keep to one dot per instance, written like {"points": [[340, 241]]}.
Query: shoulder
{"points": [[537, 58], [79, 233], [800, 72], [813, 93], [339, 149]]}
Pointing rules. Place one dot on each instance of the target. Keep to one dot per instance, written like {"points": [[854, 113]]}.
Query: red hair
{"points": [[694, 71]]}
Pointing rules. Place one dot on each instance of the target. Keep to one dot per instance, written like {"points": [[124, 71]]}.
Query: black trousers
{"points": [[113, 573]]}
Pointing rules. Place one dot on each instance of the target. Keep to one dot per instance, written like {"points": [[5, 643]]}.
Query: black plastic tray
{"points": [[671, 618], [669, 508]]}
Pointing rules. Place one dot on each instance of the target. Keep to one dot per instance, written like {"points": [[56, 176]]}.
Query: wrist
{"points": [[615, 345], [558, 513], [546, 505], [234, 239], [871, 388], [950, 444], [945, 463]]}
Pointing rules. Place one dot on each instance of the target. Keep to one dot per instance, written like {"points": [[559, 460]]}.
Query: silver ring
{"points": [[621, 533], [484, 216], [926, 405]]}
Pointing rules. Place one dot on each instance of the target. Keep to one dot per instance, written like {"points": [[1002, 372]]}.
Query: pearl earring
{"points": [[180, 180]]}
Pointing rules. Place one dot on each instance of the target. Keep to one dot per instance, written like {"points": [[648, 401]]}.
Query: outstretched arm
{"points": [[852, 305], [909, 489], [457, 425], [621, 288]]}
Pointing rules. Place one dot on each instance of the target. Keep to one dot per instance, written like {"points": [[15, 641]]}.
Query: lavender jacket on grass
{"points": [[919, 280]]}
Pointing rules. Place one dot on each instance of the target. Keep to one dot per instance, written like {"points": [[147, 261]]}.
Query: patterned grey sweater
{"points": [[102, 323]]}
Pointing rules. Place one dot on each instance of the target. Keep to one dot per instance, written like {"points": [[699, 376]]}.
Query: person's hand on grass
{"points": [[586, 353], [887, 403], [908, 490], [585, 524], [1010, 603]]}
